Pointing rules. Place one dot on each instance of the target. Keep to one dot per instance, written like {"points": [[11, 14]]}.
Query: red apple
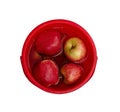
{"points": [[34, 57], [46, 73], [71, 72], [49, 42], [74, 49]]}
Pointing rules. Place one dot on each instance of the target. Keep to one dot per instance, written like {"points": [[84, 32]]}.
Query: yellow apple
{"points": [[74, 49]]}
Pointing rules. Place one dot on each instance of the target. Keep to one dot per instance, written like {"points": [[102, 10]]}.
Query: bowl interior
{"points": [[69, 29]]}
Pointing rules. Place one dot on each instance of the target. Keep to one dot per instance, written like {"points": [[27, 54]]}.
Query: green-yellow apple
{"points": [[74, 49], [71, 72]]}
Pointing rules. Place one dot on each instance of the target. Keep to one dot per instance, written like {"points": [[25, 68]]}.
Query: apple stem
{"points": [[73, 46]]}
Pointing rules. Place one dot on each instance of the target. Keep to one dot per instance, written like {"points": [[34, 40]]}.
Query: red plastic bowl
{"points": [[72, 29]]}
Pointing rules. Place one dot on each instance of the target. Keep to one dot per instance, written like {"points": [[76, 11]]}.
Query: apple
{"points": [[34, 57], [71, 72], [46, 73], [49, 42], [74, 49]]}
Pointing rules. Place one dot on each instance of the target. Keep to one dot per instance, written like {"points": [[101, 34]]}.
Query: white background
{"points": [[101, 18]]}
